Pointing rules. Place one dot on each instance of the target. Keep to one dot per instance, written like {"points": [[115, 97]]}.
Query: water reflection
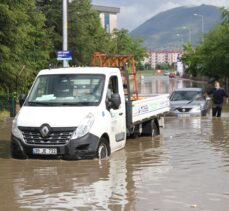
{"points": [[163, 84], [5, 128], [187, 165], [219, 137], [85, 185], [57, 184], [154, 85]]}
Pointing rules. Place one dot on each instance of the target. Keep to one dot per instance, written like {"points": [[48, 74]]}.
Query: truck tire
{"points": [[151, 128], [16, 153], [156, 128], [136, 132], [102, 151]]}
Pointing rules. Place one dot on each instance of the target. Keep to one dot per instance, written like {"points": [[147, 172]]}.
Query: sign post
{"points": [[65, 30]]}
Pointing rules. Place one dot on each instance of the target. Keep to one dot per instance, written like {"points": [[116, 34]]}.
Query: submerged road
{"points": [[186, 168]]}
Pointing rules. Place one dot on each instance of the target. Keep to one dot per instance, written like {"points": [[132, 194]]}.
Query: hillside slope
{"points": [[173, 27]]}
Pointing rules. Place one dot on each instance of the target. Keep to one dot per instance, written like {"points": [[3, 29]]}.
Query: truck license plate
{"points": [[44, 151]]}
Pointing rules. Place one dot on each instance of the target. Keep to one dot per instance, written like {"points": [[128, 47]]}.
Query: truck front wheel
{"points": [[16, 151], [102, 151]]}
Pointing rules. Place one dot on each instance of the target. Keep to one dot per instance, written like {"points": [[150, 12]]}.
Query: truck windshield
{"points": [[67, 90]]}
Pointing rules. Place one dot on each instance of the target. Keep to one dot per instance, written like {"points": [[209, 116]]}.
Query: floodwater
{"points": [[186, 168]]}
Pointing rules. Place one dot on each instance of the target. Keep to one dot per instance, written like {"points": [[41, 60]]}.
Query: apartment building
{"points": [[108, 16], [163, 57]]}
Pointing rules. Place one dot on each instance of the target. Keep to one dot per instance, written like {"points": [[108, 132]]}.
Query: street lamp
{"points": [[182, 39], [202, 24], [189, 34]]}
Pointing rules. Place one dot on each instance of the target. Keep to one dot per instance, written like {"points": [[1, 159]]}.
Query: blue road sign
{"points": [[64, 55]]}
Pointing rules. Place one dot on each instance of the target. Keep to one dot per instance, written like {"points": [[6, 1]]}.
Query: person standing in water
{"points": [[218, 95]]}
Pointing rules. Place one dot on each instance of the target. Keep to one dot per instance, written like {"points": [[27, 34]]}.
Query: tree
{"points": [[211, 57], [191, 60], [138, 50], [24, 43], [215, 52], [224, 16], [53, 22], [86, 34], [123, 43], [31, 33]]}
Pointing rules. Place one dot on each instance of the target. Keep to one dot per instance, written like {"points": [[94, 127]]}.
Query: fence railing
{"points": [[8, 103]]}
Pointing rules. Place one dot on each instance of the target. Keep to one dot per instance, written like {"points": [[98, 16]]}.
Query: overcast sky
{"points": [[135, 12]]}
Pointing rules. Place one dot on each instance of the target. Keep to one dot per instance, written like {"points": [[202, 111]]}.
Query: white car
{"points": [[189, 102]]}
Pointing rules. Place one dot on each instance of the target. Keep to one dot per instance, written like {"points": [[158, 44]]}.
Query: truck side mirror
{"points": [[21, 99], [115, 101]]}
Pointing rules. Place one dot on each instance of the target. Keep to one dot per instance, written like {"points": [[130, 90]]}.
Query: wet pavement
{"points": [[186, 168]]}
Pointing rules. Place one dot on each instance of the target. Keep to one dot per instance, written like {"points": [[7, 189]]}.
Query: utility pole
{"points": [[65, 30], [202, 24], [182, 39], [189, 34]]}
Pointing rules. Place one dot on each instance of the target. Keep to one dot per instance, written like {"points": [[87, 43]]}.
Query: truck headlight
{"points": [[15, 131], [84, 126]]}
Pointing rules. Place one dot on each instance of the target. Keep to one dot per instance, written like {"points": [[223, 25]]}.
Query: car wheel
{"points": [[102, 151]]}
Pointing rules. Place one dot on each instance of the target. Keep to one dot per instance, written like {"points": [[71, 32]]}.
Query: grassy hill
{"points": [[168, 29]]}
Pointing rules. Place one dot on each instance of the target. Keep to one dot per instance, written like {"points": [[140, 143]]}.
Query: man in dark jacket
{"points": [[218, 95]]}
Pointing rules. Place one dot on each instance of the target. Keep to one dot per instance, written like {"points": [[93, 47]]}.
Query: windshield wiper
{"points": [[74, 103], [38, 103], [192, 100]]}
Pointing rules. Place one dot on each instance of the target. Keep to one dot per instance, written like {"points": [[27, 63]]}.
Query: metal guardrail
{"points": [[8, 103], [4, 103]]}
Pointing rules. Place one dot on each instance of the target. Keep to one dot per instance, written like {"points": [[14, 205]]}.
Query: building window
{"points": [[107, 22]]}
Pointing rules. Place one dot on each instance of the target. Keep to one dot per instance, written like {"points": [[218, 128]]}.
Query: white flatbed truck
{"points": [[83, 112]]}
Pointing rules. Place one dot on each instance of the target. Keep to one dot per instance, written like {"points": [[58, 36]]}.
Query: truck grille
{"points": [[57, 136]]}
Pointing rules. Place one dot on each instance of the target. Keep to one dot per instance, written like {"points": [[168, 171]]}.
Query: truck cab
{"points": [[71, 113]]}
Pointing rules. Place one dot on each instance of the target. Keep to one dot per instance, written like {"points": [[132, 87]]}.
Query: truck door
{"points": [[118, 116]]}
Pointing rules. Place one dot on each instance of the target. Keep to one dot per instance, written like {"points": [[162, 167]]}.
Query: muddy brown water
{"points": [[186, 168]]}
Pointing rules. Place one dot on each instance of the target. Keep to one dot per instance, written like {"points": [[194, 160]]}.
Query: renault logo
{"points": [[45, 130]]}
